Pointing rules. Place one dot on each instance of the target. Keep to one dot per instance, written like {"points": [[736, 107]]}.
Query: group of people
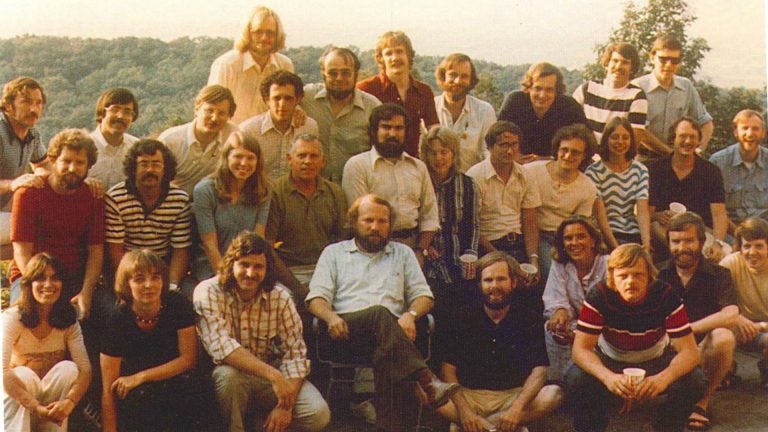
{"points": [[366, 205]]}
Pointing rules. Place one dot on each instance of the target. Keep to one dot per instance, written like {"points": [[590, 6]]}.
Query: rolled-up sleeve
{"points": [[213, 327]]}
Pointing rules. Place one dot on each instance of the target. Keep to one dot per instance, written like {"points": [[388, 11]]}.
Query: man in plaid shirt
{"points": [[250, 327]]}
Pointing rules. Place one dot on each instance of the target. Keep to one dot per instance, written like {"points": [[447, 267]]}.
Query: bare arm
{"points": [[650, 141], [530, 233], [685, 360], [421, 305], [719, 220], [644, 222], [602, 220], [337, 327], [727, 317], [585, 357], [22, 253], [93, 266], [115, 252], [485, 245], [516, 412], [210, 243], [707, 129], [179, 265], [110, 371]]}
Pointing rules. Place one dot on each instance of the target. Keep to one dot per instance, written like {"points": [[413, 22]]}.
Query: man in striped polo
{"points": [[146, 212], [615, 96]]}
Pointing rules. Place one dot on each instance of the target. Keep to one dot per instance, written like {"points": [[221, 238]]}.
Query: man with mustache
{"points": [[147, 212], [395, 84], [274, 129], [370, 292], [463, 113], [540, 109], [709, 296], [340, 109], [389, 172], [62, 218], [22, 105], [196, 144], [116, 110], [496, 352]]}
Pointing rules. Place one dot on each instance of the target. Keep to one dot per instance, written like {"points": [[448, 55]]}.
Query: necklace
{"points": [[149, 321]]}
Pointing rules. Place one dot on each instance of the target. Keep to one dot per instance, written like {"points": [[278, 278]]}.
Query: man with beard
{"points": [[709, 296], [496, 352], [22, 105], [147, 212], [341, 110], [389, 172], [463, 113], [370, 292], [395, 84], [196, 144], [62, 218], [116, 110], [254, 57], [540, 109]]}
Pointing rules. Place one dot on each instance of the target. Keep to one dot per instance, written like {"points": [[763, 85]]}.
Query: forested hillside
{"points": [[165, 76]]}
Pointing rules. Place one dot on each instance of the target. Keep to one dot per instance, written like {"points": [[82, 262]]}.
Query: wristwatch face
{"points": [[413, 313], [425, 252]]}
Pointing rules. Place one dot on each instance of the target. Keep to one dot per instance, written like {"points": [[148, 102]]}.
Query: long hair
{"points": [[610, 128], [247, 243], [134, 262], [446, 137], [243, 42], [256, 188], [559, 253], [62, 314]]}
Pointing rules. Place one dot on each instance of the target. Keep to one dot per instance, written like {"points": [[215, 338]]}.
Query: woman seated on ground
{"points": [[458, 207], [579, 264], [233, 199], [40, 333], [622, 183], [149, 352]]}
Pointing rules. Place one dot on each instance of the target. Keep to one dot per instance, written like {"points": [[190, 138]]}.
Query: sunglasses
{"points": [[673, 60]]}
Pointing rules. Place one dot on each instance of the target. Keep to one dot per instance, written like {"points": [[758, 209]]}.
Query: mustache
{"points": [[150, 175]]}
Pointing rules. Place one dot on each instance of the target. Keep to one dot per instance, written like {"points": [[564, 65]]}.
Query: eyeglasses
{"points": [[342, 73], [566, 150], [673, 60]]}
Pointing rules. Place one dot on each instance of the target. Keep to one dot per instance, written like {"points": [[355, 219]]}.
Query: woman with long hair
{"points": [[579, 260], [40, 334], [148, 352], [233, 199], [622, 182]]}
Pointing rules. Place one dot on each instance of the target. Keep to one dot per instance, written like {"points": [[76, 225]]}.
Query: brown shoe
{"points": [[438, 392]]}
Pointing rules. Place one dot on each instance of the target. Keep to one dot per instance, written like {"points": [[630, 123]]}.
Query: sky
{"points": [[563, 32]]}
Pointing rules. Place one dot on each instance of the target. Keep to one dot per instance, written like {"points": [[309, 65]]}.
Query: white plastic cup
{"points": [[677, 208], [529, 269], [634, 376], [468, 260]]}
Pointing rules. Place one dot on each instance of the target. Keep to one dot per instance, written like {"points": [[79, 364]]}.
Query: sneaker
{"points": [[364, 410]]}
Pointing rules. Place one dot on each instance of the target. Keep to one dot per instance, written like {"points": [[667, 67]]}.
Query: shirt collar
{"points": [[351, 247], [249, 62], [375, 157]]}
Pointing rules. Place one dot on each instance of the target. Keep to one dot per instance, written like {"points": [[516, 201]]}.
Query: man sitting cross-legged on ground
{"points": [[710, 301], [633, 320], [497, 354], [749, 269], [370, 291]]}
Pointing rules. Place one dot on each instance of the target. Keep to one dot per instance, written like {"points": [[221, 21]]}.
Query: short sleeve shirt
{"points": [[708, 291], [16, 155]]}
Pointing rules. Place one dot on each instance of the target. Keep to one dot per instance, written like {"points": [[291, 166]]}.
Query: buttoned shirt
{"points": [[193, 162], [344, 134], [405, 183], [16, 155], [746, 187], [240, 73], [305, 225], [268, 326], [501, 203], [274, 144], [665, 107], [473, 123], [419, 104], [566, 290], [109, 163], [351, 280]]}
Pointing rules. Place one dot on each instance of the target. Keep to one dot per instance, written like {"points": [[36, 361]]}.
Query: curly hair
{"points": [[246, 243], [63, 313], [75, 140], [148, 147], [580, 132]]}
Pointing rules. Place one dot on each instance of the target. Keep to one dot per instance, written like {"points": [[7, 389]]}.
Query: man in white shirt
{"points": [[254, 57], [196, 144], [463, 113], [116, 110]]}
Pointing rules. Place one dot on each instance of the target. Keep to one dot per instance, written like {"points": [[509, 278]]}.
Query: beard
{"points": [[371, 242], [69, 181], [686, 259], [339, 94], [505, 301], [390, 148]]}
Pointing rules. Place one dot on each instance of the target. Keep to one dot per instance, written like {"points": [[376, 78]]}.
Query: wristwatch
{"points": [[413, 313], [423, 251]]}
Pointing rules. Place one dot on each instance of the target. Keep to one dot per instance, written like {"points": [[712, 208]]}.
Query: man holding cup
{"points": [[633, 320]]}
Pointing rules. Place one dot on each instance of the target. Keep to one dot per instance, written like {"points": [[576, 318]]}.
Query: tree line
{"points": [[165, 76]]}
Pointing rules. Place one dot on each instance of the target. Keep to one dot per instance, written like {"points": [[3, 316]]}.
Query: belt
{"points": [[404, 233], [510, 237]]}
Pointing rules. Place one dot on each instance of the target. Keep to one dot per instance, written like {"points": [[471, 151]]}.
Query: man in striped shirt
{"points": [[633, 321], [146, 212], [615, 96], [250, 327]]}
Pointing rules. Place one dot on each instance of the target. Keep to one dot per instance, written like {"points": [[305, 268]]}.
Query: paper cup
{"points": [[468, 261], [634, 375], [529, 269], [677, 208]]}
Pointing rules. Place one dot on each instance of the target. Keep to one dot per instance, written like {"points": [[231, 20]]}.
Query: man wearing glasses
{"points": [[671, 96], [116, 110], [340, 109]]}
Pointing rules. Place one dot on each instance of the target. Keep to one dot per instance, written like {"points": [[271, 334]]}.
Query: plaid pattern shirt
{"points": [[268, 326]]}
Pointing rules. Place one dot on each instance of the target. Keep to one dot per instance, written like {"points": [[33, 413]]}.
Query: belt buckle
{"points": [[511, 237]]}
